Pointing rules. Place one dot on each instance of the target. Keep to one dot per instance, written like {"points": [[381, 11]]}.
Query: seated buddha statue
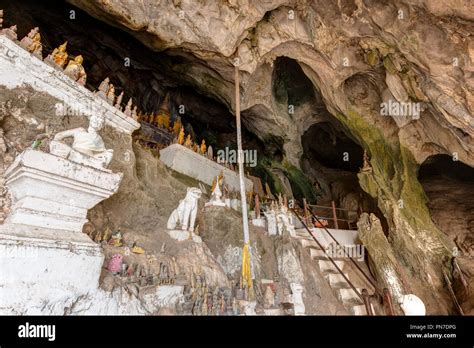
{"points": [[76, 71], [58, 57]]}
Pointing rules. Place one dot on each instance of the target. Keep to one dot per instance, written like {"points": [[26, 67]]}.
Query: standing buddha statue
{"points": [[181, 136], [203, 147]]}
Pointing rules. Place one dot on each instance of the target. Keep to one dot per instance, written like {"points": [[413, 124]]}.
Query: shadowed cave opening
{"points": [[147, 79], [332, 159], [449, 187]]}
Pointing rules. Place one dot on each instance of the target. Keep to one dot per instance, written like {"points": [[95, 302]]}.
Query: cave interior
{"points": [[331, 157]]}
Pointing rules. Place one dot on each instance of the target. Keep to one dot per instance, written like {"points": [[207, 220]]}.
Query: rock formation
{"points": [[394, 78]]}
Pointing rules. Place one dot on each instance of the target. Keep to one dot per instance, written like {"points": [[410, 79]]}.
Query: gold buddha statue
{"points": [[177, 125], [59, 56], [76, 71], [188, 143], [32, 43], [203, 147], [181, 136], [162, 118]]}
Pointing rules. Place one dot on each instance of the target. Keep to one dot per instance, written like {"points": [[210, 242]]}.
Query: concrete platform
{"points": [[187, 162]]}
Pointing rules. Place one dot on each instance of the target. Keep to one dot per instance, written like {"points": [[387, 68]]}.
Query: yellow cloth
{"points": [[246, 271]]}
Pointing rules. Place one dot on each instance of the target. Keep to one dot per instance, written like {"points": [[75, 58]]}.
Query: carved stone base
{"points": [[52, 192]]}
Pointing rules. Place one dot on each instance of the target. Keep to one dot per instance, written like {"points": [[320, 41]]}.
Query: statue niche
{"points": [[87, 148]]}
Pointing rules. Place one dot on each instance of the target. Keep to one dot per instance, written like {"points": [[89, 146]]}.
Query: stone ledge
{"points": [[188, 162], [18, 67]]}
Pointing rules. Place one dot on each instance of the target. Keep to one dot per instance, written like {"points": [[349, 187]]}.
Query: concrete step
{"points": [[317, 254], [306, 243], [337, 281], [328, 266], [360, 309], [349, 297], [302, 234]]}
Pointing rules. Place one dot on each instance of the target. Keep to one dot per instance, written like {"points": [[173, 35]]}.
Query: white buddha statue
{"points": [[87, 148]]}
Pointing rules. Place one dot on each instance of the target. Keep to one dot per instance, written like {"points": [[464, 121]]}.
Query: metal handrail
{"points": [[326, 207], [329, 257], [385, 294]]}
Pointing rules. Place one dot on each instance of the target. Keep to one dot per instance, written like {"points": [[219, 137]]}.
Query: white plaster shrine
{"points": [[44, 256]]}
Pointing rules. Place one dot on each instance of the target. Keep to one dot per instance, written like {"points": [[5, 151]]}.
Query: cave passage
{"points": [[449, 186]]}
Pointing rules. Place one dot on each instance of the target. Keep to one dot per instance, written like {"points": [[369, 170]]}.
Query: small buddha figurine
{"points": [[36, 47], [76, 71], [188, 143], [162, 118], [203, 147], [210, 153], [58, 57], [177, 125], [1, 19], [118, 102], [32, 43], [135, 113], [181, 136], [103, 89], [111, 94], [196, 148], [128, 108], [11, 33], [366, 166]]}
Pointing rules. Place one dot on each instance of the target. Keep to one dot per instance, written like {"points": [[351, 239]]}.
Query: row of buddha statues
{"points": [[58, 58], [72, 68], [106, 91]]}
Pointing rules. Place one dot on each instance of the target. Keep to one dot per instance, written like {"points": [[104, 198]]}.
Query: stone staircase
{"points": [[336, 281]]}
